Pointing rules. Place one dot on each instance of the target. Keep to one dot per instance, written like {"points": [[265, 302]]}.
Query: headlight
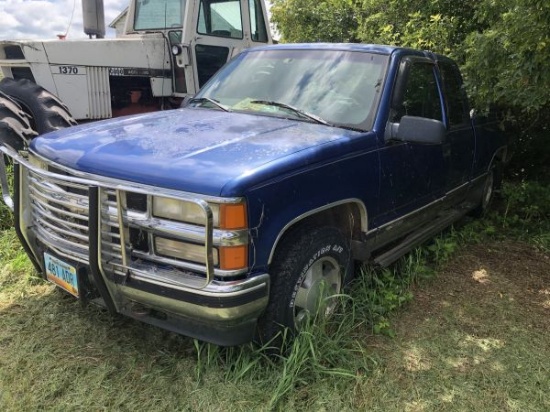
{"points": [[183, 211], [231, 216], [176, 50], [182, 250]]}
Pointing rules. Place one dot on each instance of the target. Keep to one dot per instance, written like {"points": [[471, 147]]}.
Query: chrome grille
{"points": [[59, 212], [111, 251], [56, 211]]}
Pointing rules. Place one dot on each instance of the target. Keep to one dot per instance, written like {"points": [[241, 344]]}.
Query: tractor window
{"points": [[257, 21], [220, 18], [158, 14], [209, 60]]}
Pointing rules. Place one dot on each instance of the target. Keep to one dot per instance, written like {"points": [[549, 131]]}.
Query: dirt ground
{"points": [[475, 337], [481, 273]]}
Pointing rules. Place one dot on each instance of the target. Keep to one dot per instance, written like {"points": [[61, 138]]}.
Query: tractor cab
{"points": [[167, 51], [202, 34]]}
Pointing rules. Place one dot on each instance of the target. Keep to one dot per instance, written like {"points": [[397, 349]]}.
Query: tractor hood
{"points": [[196, 150]]}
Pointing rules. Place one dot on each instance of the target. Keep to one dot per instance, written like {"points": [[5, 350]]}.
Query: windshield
{"points": [[158, 14], [341, 88]]}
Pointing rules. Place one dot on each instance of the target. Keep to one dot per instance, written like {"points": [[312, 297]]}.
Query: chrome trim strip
{"points": [[438, 202], [356, 201], [39, 198], [72, 251], [193, 267], [57, 229], [226, 315], [24, 213], [214, 288], [121, 231], [185, 231], [58, 197], [407, 216]]}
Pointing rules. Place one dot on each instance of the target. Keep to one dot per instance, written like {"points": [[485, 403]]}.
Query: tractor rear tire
{"points": [[15, 126], [47, 112]]}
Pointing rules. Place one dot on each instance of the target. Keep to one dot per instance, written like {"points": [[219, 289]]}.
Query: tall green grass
{"points": [[108, 359], [6, 216]]}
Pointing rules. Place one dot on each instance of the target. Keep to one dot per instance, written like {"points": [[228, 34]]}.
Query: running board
{"points": [[418, 237]]}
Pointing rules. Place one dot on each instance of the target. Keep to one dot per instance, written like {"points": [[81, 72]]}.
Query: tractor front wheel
{"points": [[15, 127], [47, 112]]}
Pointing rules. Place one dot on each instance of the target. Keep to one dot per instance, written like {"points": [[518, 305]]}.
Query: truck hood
{"points": [[195, 150]]}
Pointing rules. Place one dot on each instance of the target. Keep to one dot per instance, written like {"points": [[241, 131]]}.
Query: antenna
{"points": [[64, 36]]}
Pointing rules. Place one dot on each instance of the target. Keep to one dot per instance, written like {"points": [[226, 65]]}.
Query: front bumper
{"points": [[211, 306], [222, 314]]}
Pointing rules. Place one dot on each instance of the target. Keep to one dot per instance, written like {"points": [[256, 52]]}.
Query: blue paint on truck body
{"points": [[339, 150]]}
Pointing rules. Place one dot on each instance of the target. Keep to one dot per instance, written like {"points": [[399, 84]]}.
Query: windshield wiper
{"points": [[209, 100], [299, 112]]}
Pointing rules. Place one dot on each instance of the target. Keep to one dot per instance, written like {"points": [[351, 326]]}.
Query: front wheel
{"points": [[310, 267]]}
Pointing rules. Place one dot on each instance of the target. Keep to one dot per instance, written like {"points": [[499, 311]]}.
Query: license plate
{"points": [[62, 274]]}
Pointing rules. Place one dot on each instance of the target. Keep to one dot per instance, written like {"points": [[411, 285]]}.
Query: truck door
{"points": [[412, 174], [459, 145]]}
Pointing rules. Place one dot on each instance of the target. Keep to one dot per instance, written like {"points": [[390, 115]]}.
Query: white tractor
{"points": [[168, 50]]}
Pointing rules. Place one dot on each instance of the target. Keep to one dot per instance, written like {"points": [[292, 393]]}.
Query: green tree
{"points": [[319, 21], [503, 47], [508, 63]]}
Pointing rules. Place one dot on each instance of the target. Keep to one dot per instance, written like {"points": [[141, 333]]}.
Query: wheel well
{"points": [[349, 217]]}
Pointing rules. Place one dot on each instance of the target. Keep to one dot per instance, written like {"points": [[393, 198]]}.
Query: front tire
{"points": [[309, 267]]}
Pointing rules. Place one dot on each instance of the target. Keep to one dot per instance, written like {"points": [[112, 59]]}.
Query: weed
{"points": [[526, 203], [6, 216]]}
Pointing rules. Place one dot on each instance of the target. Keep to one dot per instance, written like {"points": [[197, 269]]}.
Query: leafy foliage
{"points": [[508, 60], [503, 47], [321, 21]]}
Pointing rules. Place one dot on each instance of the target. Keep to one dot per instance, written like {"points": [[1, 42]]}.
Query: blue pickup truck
{"points": [[241, 213]]}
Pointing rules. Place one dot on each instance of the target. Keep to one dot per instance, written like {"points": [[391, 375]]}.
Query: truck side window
{"points": [[220, 18], [257, 22], [420, 94], [456, 103]]}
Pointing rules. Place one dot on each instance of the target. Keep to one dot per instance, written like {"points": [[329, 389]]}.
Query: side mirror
{"points": [[181, 54], [186, 100], [420, 130]]}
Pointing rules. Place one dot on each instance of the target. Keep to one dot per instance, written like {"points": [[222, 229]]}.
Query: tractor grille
{"points": [[99, 94]]}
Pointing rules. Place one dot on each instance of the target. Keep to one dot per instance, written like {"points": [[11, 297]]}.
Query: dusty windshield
{"points": [[158, 14], [327, 86]]}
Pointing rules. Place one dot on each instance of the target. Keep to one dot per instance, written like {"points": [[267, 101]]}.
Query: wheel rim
{"points": [[322, 280]]}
